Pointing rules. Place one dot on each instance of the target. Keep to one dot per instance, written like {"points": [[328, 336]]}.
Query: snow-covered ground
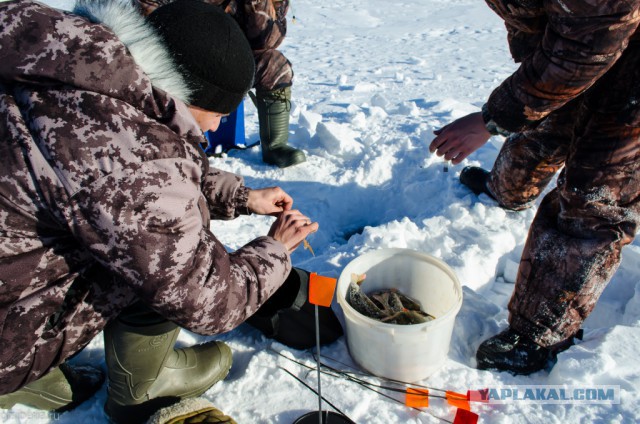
{"points": [[373, 80]]}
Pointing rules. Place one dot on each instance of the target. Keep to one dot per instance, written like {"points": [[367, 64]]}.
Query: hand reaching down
{"points": [[460, 138]]}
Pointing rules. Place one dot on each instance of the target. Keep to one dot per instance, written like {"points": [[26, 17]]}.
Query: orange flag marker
{"points": [[458, 400], [417, 398], [321, 289], [465, 417]]}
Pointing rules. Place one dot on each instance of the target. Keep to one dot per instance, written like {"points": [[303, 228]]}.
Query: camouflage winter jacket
{"points": [[564, 47], [105, 194]]}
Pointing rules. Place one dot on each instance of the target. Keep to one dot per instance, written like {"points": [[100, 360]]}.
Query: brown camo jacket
{"points": [[564, 47], [105, 198]]}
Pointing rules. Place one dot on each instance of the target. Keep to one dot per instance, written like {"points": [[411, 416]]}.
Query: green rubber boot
{"points": [[62, 389], [146, 373], [273, 118]]}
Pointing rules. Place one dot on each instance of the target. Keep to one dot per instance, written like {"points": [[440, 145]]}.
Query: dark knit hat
{"points": [[213, 53]]}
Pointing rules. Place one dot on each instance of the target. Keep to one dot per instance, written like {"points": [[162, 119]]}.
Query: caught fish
{"points": [[360, 301], [389, 305], [388, 301], [358, 278], [408, 317], [412, 305], [307, 246]]}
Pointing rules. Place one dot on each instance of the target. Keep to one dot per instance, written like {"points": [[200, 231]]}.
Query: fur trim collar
{"points": [[145, 45]]}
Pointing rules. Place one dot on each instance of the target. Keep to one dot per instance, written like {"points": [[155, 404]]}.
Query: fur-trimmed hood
{"points": [[104, 188], [126, 21], [123, 57]]}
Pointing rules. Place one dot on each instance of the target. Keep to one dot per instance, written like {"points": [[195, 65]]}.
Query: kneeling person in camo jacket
{"points": [[106, 197]]}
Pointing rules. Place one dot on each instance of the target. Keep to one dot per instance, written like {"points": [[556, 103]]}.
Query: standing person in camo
{"points": [[264, 23], [572, 106], [106, 198]]}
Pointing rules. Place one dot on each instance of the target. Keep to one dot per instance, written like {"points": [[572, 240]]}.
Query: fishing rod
{"points": [[314, 391], [459, 400], [390, 380], [366, 384], [390, 388]]}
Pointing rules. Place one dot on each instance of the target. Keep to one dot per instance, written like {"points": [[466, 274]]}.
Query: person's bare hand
{"points": [[291, 227], [269, 201], [460, 138]]}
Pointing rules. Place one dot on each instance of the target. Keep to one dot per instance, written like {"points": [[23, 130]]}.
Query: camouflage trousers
{"points": [[273, 70], [574, 243]]}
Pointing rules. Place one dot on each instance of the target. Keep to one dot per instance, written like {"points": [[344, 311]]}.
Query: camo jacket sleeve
{"points": [[117, 164], [576, 42], [148, 222], [226, 194]]}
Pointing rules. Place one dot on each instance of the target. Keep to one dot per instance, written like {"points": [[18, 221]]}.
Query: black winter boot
{"points": [[510, 351], [476, 179], [62, 389], [273, 119], [289, 318], [146, 372]]}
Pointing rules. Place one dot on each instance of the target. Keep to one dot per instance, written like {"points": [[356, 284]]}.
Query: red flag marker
{"points": [[478, 395], [417, 398], [458, 400], [465, 417], [321, 289]]}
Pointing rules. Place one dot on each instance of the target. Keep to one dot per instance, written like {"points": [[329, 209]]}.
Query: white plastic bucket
{"points": [[403, 352]]}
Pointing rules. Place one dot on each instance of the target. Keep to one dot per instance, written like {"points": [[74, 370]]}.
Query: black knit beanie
{"points": [[213, 54]]}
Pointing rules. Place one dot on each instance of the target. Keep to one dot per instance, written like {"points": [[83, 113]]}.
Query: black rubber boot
{"points": [[146, 372], [289, 318], [62, 389], [476, 179], [273, 119], [510, 351]]}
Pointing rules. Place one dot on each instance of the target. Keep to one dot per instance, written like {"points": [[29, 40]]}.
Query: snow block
{"points": [[230, 133]]}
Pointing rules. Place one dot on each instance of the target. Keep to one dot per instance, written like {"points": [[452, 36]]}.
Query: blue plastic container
{"points": [[230, 133]]}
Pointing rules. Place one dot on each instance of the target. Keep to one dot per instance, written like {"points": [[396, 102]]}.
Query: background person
{"points": [[571, 105], [264, 23]]}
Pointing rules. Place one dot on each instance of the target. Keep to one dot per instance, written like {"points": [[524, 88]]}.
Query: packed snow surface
{"points": [[373, 80]]}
